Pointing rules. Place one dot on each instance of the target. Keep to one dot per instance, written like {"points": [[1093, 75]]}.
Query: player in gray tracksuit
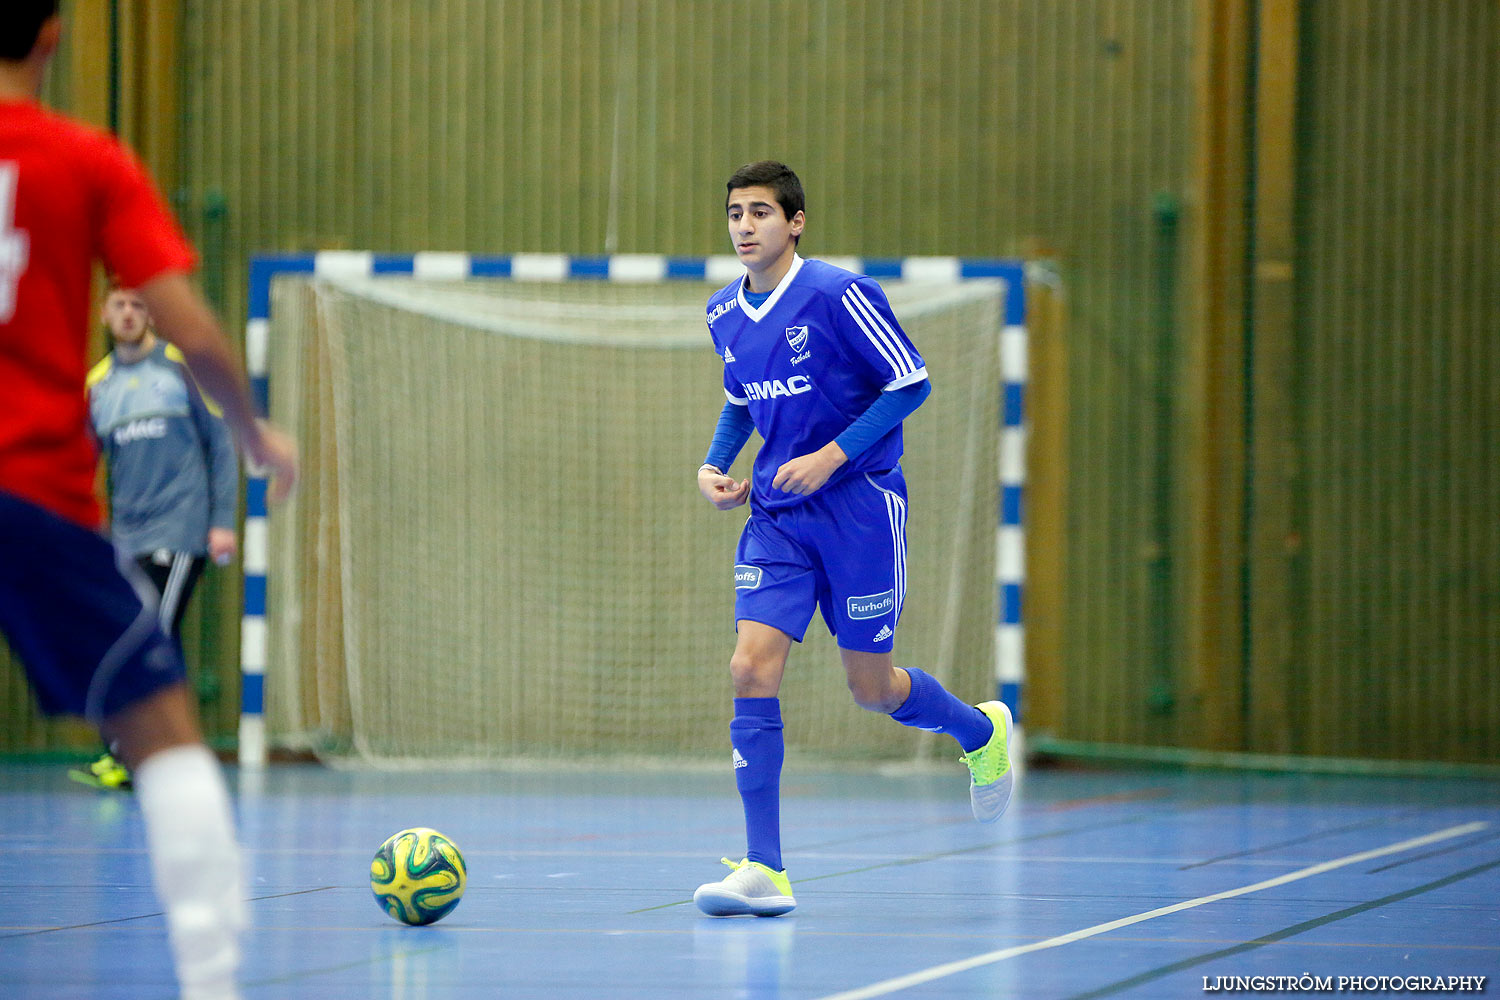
{"points": [[172, 471]]}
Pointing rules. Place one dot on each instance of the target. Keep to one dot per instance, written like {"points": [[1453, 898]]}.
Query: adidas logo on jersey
{"points": [[728, 356], [739, 761], [883, 634]]}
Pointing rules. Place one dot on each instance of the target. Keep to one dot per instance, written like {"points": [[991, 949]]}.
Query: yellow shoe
{"points": [[989, 767], [106, 772], [751, 888]]}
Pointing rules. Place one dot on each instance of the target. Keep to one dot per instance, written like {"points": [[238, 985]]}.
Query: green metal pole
{"points": [[113, 112], [1162, 694]]}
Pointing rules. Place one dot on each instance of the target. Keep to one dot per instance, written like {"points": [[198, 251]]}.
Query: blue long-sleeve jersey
{"points": [[171, 462]]}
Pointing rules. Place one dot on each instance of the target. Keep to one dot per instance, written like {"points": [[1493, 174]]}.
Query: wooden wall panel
{"points": [[1395, 380], [925, 127], [593, 126], [1116, 138]]}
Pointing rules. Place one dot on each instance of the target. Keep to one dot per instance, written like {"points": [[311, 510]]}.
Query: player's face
{"points": [[762, 235], [125, 314]]}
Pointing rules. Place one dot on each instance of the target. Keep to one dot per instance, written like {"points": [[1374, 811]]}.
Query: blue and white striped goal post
{"points": [[1010, 559]]}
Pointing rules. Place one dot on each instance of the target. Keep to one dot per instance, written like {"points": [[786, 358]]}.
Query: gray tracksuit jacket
{"points": [[172, 467]]}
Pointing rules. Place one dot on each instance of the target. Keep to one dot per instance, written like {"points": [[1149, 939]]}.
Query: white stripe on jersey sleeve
{"points": [[736, 400], [880, 345], [905, 380], [879, 331]]}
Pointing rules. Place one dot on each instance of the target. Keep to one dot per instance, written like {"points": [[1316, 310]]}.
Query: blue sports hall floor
{"points": [[1120, 883]]}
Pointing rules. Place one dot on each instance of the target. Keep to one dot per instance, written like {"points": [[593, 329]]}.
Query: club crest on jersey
{"points": [[796, 338]]}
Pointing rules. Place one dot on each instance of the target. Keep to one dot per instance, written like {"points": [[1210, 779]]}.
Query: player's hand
{"points": [[805, 474], [721, 490], [273, 454], [222, 545]]}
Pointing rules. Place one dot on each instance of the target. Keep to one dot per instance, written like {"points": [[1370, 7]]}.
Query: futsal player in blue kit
{"points": [[815, 361]]}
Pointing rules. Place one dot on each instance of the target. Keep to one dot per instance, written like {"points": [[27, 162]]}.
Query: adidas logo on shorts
{"points": [[883, 634]]}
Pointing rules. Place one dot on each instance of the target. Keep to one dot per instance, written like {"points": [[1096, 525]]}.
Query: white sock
{"points": [[196, 864]]}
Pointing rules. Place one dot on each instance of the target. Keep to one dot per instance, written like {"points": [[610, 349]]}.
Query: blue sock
{"points": [[758, 753], [931, 707]]}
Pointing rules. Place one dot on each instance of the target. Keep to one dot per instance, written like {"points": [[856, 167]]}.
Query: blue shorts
{"points": [[842, 549], [88, 637]]}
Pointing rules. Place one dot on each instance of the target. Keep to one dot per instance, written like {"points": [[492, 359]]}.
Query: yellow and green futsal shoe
{"points": [[750, 889], [989, 767], [106, 772]]}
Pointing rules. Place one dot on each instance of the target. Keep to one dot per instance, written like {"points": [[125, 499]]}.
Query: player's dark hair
{"points": [[20, 23], [776, 176]]}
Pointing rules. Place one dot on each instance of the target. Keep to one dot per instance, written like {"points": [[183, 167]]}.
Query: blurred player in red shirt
{"points": [[82, 623]]}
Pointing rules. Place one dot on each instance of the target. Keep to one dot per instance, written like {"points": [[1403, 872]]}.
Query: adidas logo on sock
{"points": [[739, 761], [883, 634]]}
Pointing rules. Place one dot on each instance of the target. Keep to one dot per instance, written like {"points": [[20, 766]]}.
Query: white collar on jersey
{"points": [[781, 286]]}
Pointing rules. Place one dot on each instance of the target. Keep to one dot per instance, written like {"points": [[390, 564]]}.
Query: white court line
{"points": [[887, 986]]}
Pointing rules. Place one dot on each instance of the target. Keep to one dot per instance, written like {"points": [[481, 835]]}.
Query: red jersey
{"points": [[69, 195]]}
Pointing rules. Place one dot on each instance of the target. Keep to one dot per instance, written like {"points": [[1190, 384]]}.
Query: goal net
{"points": [[499, 553]]}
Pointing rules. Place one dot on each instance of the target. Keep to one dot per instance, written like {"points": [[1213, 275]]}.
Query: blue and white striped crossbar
{"points": [[1010, 561]]}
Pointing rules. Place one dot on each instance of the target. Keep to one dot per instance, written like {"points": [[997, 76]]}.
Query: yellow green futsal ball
{"points": [[418, 876]]}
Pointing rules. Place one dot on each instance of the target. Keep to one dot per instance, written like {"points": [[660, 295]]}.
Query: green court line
{"points": [[1041, 808], [922, 858], [1483, 838], [1182, 757], [1284, 933], [899, 983], [1316, 835], [144, 916], [33, 931]]}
